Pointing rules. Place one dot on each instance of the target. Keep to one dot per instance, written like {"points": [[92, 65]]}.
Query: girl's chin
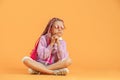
{"points": [[59, 35]]}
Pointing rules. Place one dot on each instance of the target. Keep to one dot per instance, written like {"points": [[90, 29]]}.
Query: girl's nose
{"points": [[60, 28]]}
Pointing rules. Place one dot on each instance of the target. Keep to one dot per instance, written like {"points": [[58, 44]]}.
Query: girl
{"points": [[50, 55]]}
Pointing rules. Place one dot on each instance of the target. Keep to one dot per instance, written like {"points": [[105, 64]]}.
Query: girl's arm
{"points": [[43, 51], [62, 51]]}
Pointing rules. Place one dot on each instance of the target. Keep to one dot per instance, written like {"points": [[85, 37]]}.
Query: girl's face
{"points": [[57, 28]]}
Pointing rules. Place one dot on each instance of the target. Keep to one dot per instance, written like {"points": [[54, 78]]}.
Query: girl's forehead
{"points": [[60, 23]]}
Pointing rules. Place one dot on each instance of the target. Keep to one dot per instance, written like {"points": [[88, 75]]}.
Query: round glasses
{"points": [[58, 27]]}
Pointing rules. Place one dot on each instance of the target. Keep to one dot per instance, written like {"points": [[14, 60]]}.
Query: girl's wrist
{"points": [[58, 44]]}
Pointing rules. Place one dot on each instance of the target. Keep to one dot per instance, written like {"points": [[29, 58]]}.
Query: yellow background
{"points": [[92, 34]]}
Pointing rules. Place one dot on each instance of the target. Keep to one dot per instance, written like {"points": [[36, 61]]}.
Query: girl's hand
{"points": [[54, 39], [58, 42]]}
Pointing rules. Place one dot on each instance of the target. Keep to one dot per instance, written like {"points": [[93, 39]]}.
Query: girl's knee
{"points": [[67, 61], [25, 58]]}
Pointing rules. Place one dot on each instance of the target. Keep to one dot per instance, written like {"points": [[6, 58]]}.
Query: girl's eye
{"points": [[62, 27], [56, 26]]}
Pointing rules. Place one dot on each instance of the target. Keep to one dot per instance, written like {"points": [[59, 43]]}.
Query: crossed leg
{"points": [[36, 65], [60, 64], [46, 69]]}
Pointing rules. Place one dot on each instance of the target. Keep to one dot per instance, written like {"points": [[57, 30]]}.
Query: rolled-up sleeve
{"points": [[62, 50], [43, 50]]}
